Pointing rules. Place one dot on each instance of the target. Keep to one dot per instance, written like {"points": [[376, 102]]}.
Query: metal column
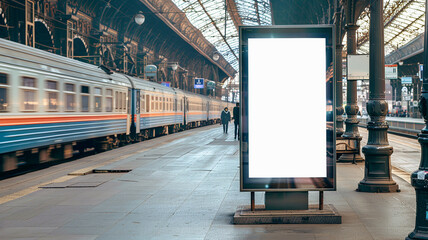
{"points": [[351, 98], [377, 174], [339, 87], [419, 177]]}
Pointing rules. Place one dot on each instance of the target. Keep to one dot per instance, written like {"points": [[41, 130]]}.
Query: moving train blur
{"points": [[51, 106]]}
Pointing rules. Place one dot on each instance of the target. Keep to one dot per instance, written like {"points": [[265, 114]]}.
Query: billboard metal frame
{"points": [[279, 184]]}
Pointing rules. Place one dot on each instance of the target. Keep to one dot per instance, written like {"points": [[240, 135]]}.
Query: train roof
{"points": [[37, 59], [29, 57]]}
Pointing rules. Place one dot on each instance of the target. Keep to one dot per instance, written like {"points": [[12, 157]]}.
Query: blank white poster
{"points": [[287, 107]]}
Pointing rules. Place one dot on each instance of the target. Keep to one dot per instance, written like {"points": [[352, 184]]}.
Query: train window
{"points": [[3, 79], [69, 87], [137, 102], [181, 104], [84, 89], [109, 100], [98, 91], [175, 104], [29, 82], [29, 94], [124, 101], [153, 104], [119, 100], [3, 92], [163, 104], [98, 99], [147, 103], [52, 95], [70, 97], [143, 104], [52, 85], [116, 106], [156, 104], [129, 102], [84, 98]]}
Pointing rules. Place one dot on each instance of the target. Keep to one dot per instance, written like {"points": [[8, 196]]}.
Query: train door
{"points": [[133, 105], [129, 112], [208, 110], [185, 109], [138, 107]]}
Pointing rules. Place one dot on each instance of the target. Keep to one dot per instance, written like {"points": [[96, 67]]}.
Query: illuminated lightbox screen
{"points": [[287, 107]]}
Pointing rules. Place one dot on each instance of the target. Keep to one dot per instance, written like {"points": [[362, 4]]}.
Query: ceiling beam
{"points": [[404, 29], [216, 27], [231, 73], [256, 6], [234, 14], [392, 16]]}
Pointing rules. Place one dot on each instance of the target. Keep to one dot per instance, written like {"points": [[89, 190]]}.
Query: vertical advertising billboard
{"points": [[287, 98]]}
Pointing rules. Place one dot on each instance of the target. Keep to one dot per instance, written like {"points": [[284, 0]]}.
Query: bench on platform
{"points": [[349, 145]]}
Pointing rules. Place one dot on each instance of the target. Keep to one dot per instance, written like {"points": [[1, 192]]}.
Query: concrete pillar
{"points": [[377, 174]]}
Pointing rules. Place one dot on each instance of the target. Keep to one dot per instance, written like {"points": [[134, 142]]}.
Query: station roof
{"points": [[404, 20], [218, 20]]}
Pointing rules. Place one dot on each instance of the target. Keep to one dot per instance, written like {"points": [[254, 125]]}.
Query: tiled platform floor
{"points": [[184, 186]]}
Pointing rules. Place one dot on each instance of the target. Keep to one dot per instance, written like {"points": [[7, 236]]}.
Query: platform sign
{"points": [[421, 71], [406, 80], [288, 137], [391, 71], [358, 67], [166, 84], [199, 83]]}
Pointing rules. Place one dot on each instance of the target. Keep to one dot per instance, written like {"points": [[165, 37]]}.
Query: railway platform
{"points": [[186, 186]]}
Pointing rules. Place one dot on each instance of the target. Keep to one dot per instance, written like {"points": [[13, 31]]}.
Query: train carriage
{"points": [[52, 105], [48, 100]]}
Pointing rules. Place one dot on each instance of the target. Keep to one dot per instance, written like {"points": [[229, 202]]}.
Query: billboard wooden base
{"points": [[329, 215]]}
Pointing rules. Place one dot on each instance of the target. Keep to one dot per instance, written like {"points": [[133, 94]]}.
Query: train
{"points": [[52, 106]]}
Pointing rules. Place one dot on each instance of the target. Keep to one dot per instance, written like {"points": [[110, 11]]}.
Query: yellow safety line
{"points": [[32, 189], [401, 174]]}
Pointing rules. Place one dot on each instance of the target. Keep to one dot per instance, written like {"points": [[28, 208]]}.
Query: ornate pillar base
{"points": [[350, 158], [421, 228], [339, 124], [377, 170], [417, 236], [420, 183]]}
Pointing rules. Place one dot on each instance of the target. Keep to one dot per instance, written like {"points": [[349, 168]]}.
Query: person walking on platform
{"points": [[236, 119], [225, 119]]}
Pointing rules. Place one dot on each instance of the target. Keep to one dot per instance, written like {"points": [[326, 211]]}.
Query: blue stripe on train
{"points": [[19, 137], [149, 122], [196, 117]]}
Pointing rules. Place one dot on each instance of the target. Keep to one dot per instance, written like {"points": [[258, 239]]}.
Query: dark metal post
{"points": [[377, 174], [419, 177], [339, 88], [253, 202], [351, 91]]}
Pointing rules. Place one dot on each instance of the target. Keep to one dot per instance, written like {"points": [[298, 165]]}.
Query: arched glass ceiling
{"points": [[213, 19], [403, 20]]}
